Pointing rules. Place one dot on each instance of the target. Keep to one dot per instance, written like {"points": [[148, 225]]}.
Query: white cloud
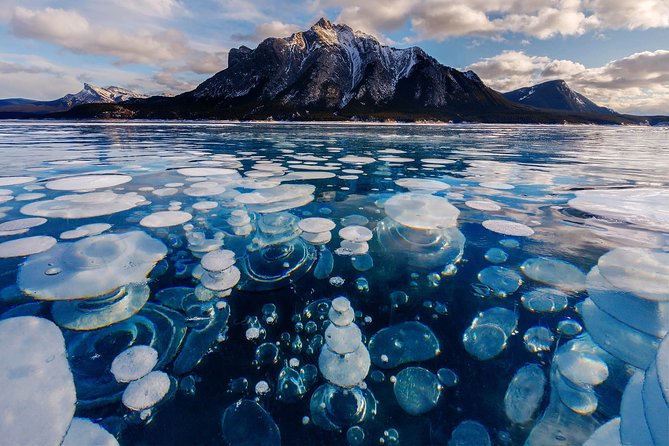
{"points": [[154, 8], [275, 28], [71, 30], [638, 83], [543, 19]]}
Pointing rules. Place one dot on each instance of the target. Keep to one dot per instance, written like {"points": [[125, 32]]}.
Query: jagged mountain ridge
{"points": [[331, 67], [90, 94], [555, 95]]}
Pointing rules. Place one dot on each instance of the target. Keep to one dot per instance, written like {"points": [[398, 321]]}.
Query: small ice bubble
{"points": [[262, 388]]}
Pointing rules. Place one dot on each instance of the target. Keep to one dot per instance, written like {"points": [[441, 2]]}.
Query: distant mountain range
{"points": [[90, 94], [555, 95], [330, 72]]}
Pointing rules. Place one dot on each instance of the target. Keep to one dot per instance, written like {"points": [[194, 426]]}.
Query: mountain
{"points": [[330, 72], [90, 94], [555, 95]]}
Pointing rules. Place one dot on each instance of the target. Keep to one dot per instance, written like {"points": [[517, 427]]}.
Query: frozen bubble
{"points": [[496, 185], [165, 192], [633, 425], [496, 255], [502, 281], [284, 192], [422, 184], [356, 234], [26, 246], [554, 272], [266, 354], [504, 318], [325, 265], [341, 319], [363, 262], [134, 363], [333, 407], [353, 159], [648, 316], [417, 390], [538, 339], [262, 388], [316, 224], [14, 181], [545, 300], [221, 281], [84, 432], [507, 227], [205, 205], [147, 391], [638, 206], [581, 400], [642, 272], [509, 243], [607, 434], [341, 304], [447, 377], [318, 238], [85, 231], [355, 436], [470, 433], [218, 261], [421, 211], [344, 370], [22, 224], [569, 327], [102, 311], [205, 189], [88, 182], [353, 248], [245, 423], [92, 204], [619, 339], [344, 339], [484, 341], [656, 395], [581, 368], [38, 394], [337, 281], [524, 394], [483, 205], [403, 343], [354, 220], [205, 171], [290, 385], [441, 161], [165, 219], [91, 267]]}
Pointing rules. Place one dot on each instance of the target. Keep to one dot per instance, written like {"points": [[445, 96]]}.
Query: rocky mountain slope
{"points": [[555, 95], [90, 94]]}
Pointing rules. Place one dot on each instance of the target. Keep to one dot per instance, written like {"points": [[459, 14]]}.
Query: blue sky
{"points": [[614, 51]]}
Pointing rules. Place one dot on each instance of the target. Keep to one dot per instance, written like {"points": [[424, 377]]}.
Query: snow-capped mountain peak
{"points": [[94, 94]]}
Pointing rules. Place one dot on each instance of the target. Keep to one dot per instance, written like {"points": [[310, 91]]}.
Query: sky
{"points": [[616, 52]]}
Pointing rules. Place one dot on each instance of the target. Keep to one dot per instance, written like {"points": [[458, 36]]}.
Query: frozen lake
{"points": [[492, 284]]}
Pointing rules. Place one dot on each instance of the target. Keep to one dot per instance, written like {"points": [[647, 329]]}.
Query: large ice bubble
{"points": [[421, 211], [88, 182], [90, 267], [524, 394], [92, 204], [38, 395], [245, 423], [84, 432], [403, 343], [417, 390], [554, 272]]}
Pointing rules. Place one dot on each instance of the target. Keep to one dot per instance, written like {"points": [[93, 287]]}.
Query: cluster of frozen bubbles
{"points": [[86, 327]]}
